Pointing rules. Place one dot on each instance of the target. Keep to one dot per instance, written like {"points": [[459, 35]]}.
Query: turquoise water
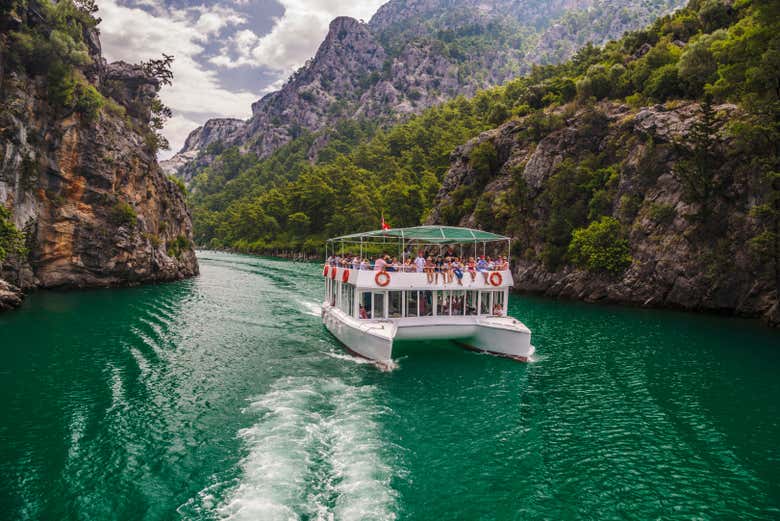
{"points": [[224, 397]]}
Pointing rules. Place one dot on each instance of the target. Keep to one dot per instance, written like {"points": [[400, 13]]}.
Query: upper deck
{"points": [[401, 280]]}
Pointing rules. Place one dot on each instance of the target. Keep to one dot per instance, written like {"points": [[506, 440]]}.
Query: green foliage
{"points": [[178, 246], [11, 239], [179, 183], [662, 213], [122, 214], [573, 194], [602, 246], [89, 101]]}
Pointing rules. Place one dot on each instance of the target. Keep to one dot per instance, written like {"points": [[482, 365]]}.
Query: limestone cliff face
{"points": [[412, 55], [678, 260], [88, 193]]}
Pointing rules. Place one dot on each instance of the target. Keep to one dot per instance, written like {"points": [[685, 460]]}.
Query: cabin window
{"points": [[498, 303], [426, 303], [378, 310], [471, 302], [363, 301], [411, 303], [442, 302], [350, 299], [458, 299], [394, 304], [484, 302]]}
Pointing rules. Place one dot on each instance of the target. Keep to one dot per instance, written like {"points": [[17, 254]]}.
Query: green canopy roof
{"points": [[426, 234]]}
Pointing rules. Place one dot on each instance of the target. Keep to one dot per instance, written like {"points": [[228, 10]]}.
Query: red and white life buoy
{"points": [[496, 279], [382, 279], [345, 276], [333, 273], [325, 271]]}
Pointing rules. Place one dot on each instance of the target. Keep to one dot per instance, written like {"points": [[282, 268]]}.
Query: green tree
{"points": [[602, 246], [697, 173]]}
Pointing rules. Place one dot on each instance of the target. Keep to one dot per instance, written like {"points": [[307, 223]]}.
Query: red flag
{"points": [[385, 226]]}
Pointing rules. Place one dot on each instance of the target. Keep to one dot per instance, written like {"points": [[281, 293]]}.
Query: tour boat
{"points": [[367, 310]]}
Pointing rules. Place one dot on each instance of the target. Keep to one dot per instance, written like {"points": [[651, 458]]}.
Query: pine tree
{"points": [[697, 173]]}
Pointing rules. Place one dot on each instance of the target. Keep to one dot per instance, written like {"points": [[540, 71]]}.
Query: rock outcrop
{"points": [[678, 259], [413, 55], [10, 296], [86, 190]]}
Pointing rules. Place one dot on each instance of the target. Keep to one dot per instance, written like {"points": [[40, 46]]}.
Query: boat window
{"points": [[365, 303], [442, 303], [379, 305], [471, 302], [411, 303], [498, 303], [394, 303], [426, 303], [458, 298], [350, 299], [484, 302]]}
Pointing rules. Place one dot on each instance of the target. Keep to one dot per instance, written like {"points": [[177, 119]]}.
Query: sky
{"points": [[227, 53]]}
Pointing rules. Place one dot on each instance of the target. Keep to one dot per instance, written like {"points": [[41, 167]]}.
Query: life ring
{"points": [[333, 273], [345, 276], [496, 279], [325, 271], [382, 279]]}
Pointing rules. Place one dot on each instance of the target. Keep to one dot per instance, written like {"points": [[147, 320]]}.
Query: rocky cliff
{"points": [[538, 181], [77, 161], [413, 55]]}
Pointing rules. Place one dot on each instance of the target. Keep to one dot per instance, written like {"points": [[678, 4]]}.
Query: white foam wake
{"points": [[312, 308], [315, 453]]}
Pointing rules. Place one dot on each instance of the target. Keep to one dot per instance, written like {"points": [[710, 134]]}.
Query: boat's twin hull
{"points": [[374, 340]]}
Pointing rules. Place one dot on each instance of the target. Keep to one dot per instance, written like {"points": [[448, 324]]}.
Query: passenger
{"points": [[429, 267], [363, 313], [446, 272], [504, 263], [491, 264], [392, 264], [380, 264], [457, 270], [329, 260], [498, 310], [437, 268], [482, 267], [449, 268], [408, 268], [471, 266], [419, 262], [365, 265], [355, 262]]}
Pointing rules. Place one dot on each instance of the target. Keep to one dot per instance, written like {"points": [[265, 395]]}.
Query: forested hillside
{"points": [[709, 77], [410, 56]]}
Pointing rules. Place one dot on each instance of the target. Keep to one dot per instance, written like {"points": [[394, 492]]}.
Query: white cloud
{"points": [[132, 34], [295, 35]]}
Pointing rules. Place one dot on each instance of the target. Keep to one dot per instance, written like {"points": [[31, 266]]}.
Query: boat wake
{"points": [[312, 308], [315, 453]]}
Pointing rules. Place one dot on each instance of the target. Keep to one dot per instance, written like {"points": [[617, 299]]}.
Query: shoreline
{"points": [[544, 293]]}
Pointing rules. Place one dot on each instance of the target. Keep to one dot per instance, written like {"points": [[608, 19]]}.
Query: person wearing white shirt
{"points": [[419, 263]]}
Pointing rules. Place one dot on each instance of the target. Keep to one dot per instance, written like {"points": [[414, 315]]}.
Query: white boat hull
{"points": [[373, 339]]}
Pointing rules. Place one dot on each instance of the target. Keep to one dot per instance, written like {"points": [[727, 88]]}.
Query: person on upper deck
{"points": [[457, 269], [380, 264], [482, 267], [419, 262]]}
